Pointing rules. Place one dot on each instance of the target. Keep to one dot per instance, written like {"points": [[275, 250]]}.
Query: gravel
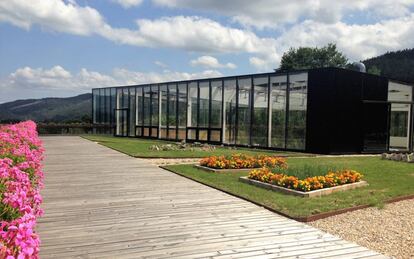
{"points": [[389, 230]]}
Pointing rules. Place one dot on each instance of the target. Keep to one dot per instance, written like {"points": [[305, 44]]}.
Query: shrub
{"points": [[21, 179]]}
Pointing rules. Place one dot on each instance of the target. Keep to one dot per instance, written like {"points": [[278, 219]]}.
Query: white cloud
{"points": [[57, 78], [182, 32], [160, 64], [211, 62], [128, 3], [53, 15], [356, 41], [274, 13], [202, 35]]}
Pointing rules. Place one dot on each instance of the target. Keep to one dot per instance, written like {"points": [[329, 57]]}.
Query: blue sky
{"points": [[62, 48]]}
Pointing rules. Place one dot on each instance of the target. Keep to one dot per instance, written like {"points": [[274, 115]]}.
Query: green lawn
{"points": [[387, 179], [140, 148]]}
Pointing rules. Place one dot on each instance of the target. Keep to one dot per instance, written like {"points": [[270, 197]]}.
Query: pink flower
{"points": [[21, 153]]}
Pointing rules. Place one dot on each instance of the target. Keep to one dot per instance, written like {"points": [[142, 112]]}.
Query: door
{"points": [[400, 126], [375, 127]]}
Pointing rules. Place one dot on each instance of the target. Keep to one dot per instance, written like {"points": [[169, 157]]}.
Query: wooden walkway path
{"points": [[103, 204]]}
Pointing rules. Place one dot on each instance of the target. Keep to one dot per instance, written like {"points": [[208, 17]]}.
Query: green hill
{"points": [[71, 109], [397, 65]]}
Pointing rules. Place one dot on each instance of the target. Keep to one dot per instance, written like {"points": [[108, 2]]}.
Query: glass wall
{"points": [[278, 111], [154, 110], [182, 110], [139, 115], [216, 112], [164, 111], [131, 111], [260, 115], [243, 111], [266, 110], [296, 126], [192, 110], [229, 122], [95, 105], [203, 113]]}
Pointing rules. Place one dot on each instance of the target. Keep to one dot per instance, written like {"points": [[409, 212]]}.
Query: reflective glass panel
{"points": [[297, 111], [243, 112]]}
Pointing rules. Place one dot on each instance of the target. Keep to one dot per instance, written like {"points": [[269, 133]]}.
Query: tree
{"points": [[306, 57], [374, 70]]}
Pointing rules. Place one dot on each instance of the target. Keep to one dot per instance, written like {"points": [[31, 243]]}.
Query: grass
{"points": [[140, 148], [387, 179]]}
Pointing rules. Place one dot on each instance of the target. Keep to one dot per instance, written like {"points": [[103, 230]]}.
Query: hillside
{"points": [[71, 109], [397, 65]]}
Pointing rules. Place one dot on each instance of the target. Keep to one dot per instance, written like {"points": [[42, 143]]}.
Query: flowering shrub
{"points": [[331, 179], [21, 179], [239, 161]]}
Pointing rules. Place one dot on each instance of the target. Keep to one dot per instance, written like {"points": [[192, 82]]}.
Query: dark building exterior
{"points": [[327, 111]]}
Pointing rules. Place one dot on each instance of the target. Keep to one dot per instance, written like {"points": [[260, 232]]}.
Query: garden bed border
{"points": [[310, 194], [225, 170]]}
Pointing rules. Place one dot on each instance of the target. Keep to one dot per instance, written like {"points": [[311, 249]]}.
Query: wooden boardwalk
{"points": [[103, 204]]}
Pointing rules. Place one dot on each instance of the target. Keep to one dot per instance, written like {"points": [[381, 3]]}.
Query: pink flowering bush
{"points": [[21, 179]]}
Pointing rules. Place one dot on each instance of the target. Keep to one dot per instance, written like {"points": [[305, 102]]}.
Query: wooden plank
{"points": [[103, 204]]}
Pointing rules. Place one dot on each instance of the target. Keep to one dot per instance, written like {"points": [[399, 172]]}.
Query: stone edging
{"points": [[215, 170], [310, 194]]}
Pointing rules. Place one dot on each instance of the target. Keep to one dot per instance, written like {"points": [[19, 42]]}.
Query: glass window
{"points": [[229, 123], [172, 110], [107, 105], [139, 109], [216, 101], [113, 104], [192, 104], [164, 98], [278, 109], [202, 135], [204, 88], [163, 122], [95, 93], [132, 111], [243, 111], [101, 113], [147, 105], [154, 105], [215, 135], [125, 98], [260, 115], [297, 111], [182, 110]]}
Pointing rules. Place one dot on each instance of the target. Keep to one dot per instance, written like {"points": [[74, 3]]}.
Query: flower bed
{"points": [[21, 179], [331, 179], [240, 161]]}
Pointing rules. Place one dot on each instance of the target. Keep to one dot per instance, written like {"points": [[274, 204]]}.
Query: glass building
{"points": [[327, 110]]}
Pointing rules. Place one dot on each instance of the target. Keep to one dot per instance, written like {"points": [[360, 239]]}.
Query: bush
{"points": [[21, 179]]}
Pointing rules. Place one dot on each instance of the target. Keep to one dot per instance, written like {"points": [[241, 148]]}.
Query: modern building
{"points": [[327, 111]]}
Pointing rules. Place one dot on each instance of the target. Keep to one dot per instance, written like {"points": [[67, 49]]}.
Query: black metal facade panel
{"points": [[321, 94], [346, 118], [375, 88]]}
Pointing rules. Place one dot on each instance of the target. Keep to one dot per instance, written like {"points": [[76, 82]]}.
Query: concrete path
{"points": [[103, 204]]}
